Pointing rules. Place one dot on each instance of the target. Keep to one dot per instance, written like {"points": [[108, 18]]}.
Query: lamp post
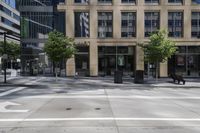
{"points": [[4, 55]]}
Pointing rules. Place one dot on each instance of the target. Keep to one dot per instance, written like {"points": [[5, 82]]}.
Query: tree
{"points": [[59, 47], [13, 50], [159, 49]]}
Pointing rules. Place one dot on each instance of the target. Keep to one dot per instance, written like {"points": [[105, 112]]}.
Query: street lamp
{"points": [[4, 54]]}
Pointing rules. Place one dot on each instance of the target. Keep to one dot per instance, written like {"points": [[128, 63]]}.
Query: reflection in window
{"points": [[36, 24], [128, 24], [152, 1], [105, 26], [82, 24], [195, 24], [152, 22], [186, 61], [105, 1], [82, 1], [129, 1], [175, 24], [175, 1]]}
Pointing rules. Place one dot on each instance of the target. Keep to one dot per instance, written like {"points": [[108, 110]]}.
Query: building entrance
{"points": [[113, 58], [82, 61]]}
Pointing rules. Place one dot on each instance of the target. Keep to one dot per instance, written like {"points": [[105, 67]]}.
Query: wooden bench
{"points": [[178, 78]]}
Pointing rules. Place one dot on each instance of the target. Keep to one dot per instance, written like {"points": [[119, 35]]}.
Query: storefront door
{"points": [[116, 58]]}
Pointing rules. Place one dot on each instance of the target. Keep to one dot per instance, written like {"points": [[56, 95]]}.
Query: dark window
{"points": [[129, 1], [36, 2], [36, 24], [195, 24], [175, 24], [9, 23], [82, 27], [128, 24], [175, 1], [82, 1], [105, 1], [152, 22], [105, 24], [5, 10], [15, 16], [152, 1]]}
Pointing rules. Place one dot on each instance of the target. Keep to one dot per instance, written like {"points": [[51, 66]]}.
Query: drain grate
{"points": [[61, 91], [97, 108], [68, 108]]}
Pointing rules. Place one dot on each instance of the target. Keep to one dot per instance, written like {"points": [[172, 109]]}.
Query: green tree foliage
{"points": [[159, 49], [12, 50], [59, 47]]}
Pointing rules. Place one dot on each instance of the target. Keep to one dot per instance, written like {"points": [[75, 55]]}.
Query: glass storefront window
{"points": [[113, 58], [194, 49], [186, 62]]}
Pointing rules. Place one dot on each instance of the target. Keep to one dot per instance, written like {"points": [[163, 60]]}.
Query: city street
{"points": [[97, 105]]}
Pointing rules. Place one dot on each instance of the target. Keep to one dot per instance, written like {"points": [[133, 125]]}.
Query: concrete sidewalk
{"points": [[128, 82]]}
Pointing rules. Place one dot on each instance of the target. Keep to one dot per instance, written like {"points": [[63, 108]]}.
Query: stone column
{"points": [[69, 22], [187, 21], [163, 72], [164, 69], [140, 35], [116, 22], [93, 21], [139, 58], [70, 67], [70, 64], [93, 59]]}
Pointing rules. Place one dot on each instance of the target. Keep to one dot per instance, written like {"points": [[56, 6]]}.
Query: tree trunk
{"points": [[157, 71], [56, 71], [56, 75], [53, 63], [11, 64]]}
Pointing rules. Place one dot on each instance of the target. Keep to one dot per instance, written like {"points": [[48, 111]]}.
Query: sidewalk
{"points": [[127, 82], [109, 81]]}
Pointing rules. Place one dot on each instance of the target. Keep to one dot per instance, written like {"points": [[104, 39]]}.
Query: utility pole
{"points": [[5, 55]]}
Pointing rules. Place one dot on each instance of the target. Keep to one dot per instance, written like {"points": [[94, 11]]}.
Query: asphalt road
{"points": [[41, 105]]}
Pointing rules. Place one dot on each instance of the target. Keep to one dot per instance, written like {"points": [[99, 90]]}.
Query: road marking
{"points": [[110, 97], [18, 88], [11, 91], [5, 104], [100, 119]]}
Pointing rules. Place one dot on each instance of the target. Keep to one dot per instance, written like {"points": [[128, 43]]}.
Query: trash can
{"points": [[118, 77], [139, 77]]}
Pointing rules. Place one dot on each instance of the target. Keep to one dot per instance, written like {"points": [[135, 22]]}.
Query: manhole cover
{"points": [[68, 108], [97, 108], [61, 91]]}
